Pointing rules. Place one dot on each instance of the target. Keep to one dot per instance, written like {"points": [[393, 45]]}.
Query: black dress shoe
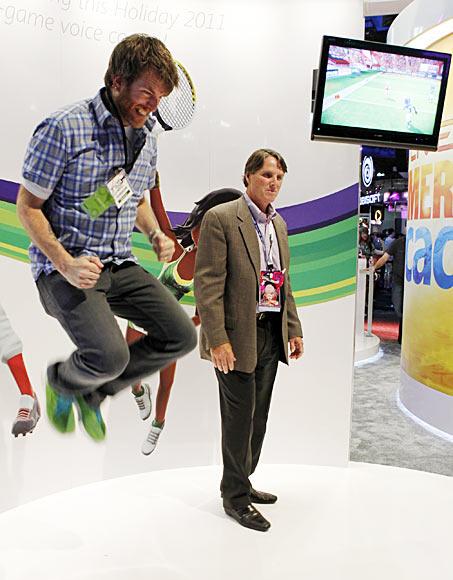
{"points": [[249, 517], [262, 497]]}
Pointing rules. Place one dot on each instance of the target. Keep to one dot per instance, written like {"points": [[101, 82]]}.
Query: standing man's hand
{"points": [[82, 272], [296, 347], [162, 245], [223, 357]]}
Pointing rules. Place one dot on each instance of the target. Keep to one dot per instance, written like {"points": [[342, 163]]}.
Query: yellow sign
{"points": [[427, 352]]}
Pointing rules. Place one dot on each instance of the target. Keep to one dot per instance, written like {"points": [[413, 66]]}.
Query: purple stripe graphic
{"points": [[323, 211], [177, 217], [8, 191], [302, 217], [309, 215]]}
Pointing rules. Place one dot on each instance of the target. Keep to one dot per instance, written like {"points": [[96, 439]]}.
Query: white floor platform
{"points": [[364, 522]]}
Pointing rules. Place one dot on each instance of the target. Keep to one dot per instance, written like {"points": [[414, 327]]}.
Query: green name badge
{"points": [[96, 204]]}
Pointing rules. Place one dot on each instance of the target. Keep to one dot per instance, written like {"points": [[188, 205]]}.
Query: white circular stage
{"points": [[365, 521]]}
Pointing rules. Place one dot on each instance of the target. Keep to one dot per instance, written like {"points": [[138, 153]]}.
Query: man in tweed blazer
{"points": [[240, 240]]}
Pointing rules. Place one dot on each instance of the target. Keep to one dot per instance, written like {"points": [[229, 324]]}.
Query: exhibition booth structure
{"points": [[104, 510], [246, 99], [426, 391]]}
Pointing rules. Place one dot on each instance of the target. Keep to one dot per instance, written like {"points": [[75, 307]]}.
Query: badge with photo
{"points": [[271, 282]]}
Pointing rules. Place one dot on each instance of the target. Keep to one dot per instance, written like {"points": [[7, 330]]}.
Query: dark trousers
{"points": [[103, 363], [244, 406]]}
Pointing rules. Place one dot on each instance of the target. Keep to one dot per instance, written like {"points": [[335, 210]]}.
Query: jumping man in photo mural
{"points": [[177, 276], [11, 354]]}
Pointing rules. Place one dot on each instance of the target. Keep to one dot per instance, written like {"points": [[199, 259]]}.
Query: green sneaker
{"points": [[59, 410], [168, 279], [91, 419]]}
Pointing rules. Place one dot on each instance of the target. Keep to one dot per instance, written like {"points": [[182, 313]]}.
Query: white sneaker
{"points": [[151, 441], [27, 416], [144, 402]]}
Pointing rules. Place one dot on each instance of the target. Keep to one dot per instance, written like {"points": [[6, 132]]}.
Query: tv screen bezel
{"points": [[365, 136]]}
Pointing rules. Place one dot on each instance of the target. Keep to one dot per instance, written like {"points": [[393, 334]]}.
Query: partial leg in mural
{"points": [[177, 277], [29, 411]]}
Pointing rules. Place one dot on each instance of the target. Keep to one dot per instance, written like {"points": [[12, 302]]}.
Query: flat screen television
{"points": [[379, 94]]}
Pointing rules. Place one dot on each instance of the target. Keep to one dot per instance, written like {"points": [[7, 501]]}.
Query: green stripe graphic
{"points": [[320, 258]]}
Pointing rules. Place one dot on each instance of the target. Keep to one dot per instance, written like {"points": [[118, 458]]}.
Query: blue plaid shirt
{"points": [[70, 155]]}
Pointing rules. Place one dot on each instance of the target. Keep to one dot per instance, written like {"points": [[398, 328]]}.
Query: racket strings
{"points": [[178, 108]]}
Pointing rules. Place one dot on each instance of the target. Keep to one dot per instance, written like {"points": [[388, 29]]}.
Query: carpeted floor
{"points": [[380, 432], [385, 329]]}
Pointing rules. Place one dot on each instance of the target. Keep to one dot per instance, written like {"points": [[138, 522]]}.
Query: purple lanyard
{"points": [[267, 256]]}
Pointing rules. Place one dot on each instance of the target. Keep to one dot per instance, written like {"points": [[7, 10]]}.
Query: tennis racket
{"points": [[176, 111]]}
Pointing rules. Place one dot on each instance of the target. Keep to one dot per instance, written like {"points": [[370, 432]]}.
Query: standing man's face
{"points": [[135, 102], [264, 185]]}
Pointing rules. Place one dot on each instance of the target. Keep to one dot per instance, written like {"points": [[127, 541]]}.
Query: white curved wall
{"points": [[413, 27], [253, 79]]}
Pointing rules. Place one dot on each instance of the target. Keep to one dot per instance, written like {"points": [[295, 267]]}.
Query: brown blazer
{"points": [[226, 283]]}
